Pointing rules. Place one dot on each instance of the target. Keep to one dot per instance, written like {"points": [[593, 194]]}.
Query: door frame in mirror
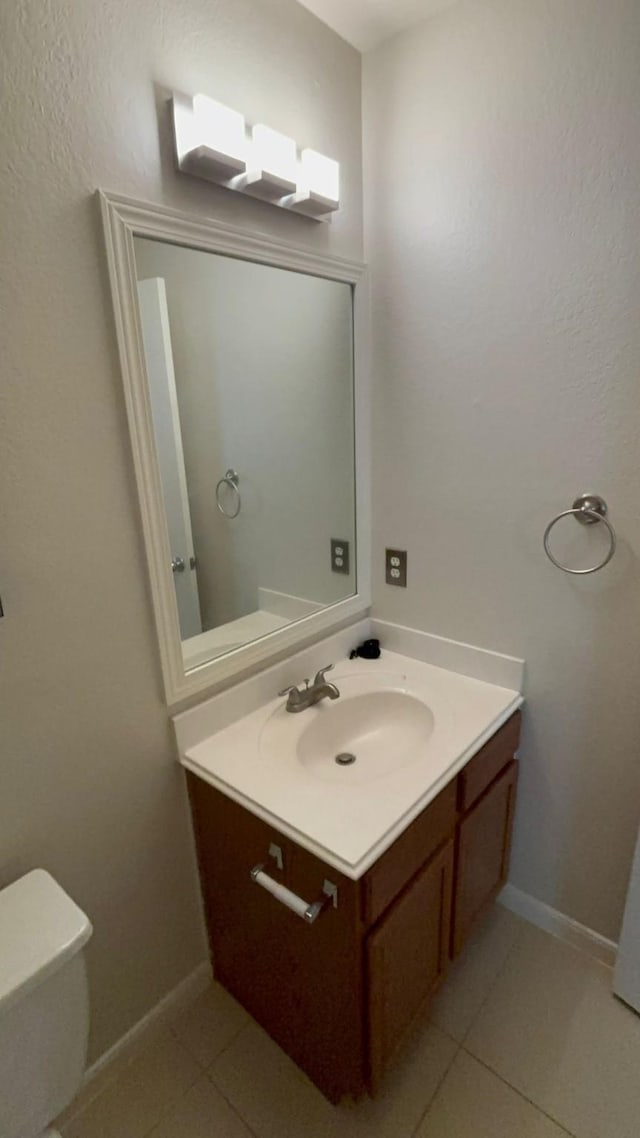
{"points": [[123, 219]]}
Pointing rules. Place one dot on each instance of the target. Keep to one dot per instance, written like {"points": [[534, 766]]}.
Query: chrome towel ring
{"points": [[588, 509], [231, 480]]}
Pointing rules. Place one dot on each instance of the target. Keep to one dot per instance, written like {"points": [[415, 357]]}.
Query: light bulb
{"points": [[319, 175], [274, 153], [219, 128]]}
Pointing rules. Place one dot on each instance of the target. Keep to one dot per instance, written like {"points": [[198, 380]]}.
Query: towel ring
{"points": [[588, 509], [231, 480]]}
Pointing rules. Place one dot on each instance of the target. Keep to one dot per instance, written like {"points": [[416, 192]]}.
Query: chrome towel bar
{"points": [[308, 912], [588, 509]]}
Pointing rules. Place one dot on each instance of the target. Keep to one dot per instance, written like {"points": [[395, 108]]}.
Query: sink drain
{"points": [[344, 759]]}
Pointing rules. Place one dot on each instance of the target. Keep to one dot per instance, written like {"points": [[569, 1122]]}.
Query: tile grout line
{"points": [[208, 1069], [92, 1091], [520, 1094], [111, 1083], [411, 1133], [253, 1023], [491, 988], [229, 1103], [225, 1047], [439, 1084], [463, 1044], [460, 1045], [203, 1072], [172, 1107]]}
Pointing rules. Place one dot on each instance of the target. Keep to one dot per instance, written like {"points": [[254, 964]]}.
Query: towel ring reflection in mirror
{"points": [[231, 480]]}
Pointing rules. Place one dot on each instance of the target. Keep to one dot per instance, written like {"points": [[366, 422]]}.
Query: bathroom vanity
{"points": [[340, 990], [345, 851]]}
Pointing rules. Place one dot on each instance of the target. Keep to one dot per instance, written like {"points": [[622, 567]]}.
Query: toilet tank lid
{"points": [[40, 929]]}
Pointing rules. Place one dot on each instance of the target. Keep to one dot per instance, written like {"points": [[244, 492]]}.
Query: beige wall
{"points": [[89, 788], [502, 171]]}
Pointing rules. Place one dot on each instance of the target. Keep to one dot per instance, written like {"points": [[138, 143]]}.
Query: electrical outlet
{"points": [[395, 561], [339, 555]]}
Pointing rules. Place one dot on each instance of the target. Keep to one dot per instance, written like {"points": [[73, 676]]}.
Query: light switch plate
{"points": [[339, 555], [395, 561]]}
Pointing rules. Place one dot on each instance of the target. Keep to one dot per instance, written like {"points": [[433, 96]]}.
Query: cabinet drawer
{"points": [[408, 854], [480, 772]]}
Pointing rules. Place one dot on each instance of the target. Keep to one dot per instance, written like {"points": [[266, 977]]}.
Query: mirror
{"points": [[250, 373], [243, 378]]}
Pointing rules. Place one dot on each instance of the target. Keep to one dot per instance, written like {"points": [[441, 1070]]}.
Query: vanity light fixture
{"points": [[318, 190], [210, 138], [272, 167], [211, 142]]}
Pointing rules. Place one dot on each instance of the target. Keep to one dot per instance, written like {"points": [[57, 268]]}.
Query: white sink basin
{"points": [[410, 725], [367, 734], [365, 737]]}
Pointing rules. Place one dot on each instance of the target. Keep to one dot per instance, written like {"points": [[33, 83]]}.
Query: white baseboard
{"points": [[108, 1066], [559, 925]]}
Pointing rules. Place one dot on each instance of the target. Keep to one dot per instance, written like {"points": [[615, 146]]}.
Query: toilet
{"points": [[44, 1004]]}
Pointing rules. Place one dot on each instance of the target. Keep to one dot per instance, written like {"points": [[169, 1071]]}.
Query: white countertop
{"points": [[206, 646], [350, 824]]}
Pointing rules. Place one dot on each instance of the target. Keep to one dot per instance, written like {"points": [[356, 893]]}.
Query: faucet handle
{"points": [[322, 673], [293, 688]]}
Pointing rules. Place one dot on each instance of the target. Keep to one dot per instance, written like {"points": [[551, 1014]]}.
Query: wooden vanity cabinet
{"points": [[340, 995]]}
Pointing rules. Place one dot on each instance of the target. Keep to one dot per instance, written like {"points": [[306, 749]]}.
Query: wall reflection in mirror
{"points": [[250, 370]]}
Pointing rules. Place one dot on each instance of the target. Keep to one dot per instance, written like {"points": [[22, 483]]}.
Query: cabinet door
{"points": [[407, 955], [482, 854], [301, 982]]}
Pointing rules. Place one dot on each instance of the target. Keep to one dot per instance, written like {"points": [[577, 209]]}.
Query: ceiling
{"points": [[365, 23]]}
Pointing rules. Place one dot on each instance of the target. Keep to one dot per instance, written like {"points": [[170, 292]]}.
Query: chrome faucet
{"points": [[302, 698]]}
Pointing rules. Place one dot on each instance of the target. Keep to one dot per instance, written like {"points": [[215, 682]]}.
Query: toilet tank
{"points": [[44, 1005]]}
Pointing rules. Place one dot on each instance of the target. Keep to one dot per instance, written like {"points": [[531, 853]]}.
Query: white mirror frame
{"points": [[123, 219]]}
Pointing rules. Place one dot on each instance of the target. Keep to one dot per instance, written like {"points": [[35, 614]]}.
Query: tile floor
{"points": [[525, 1040]]}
